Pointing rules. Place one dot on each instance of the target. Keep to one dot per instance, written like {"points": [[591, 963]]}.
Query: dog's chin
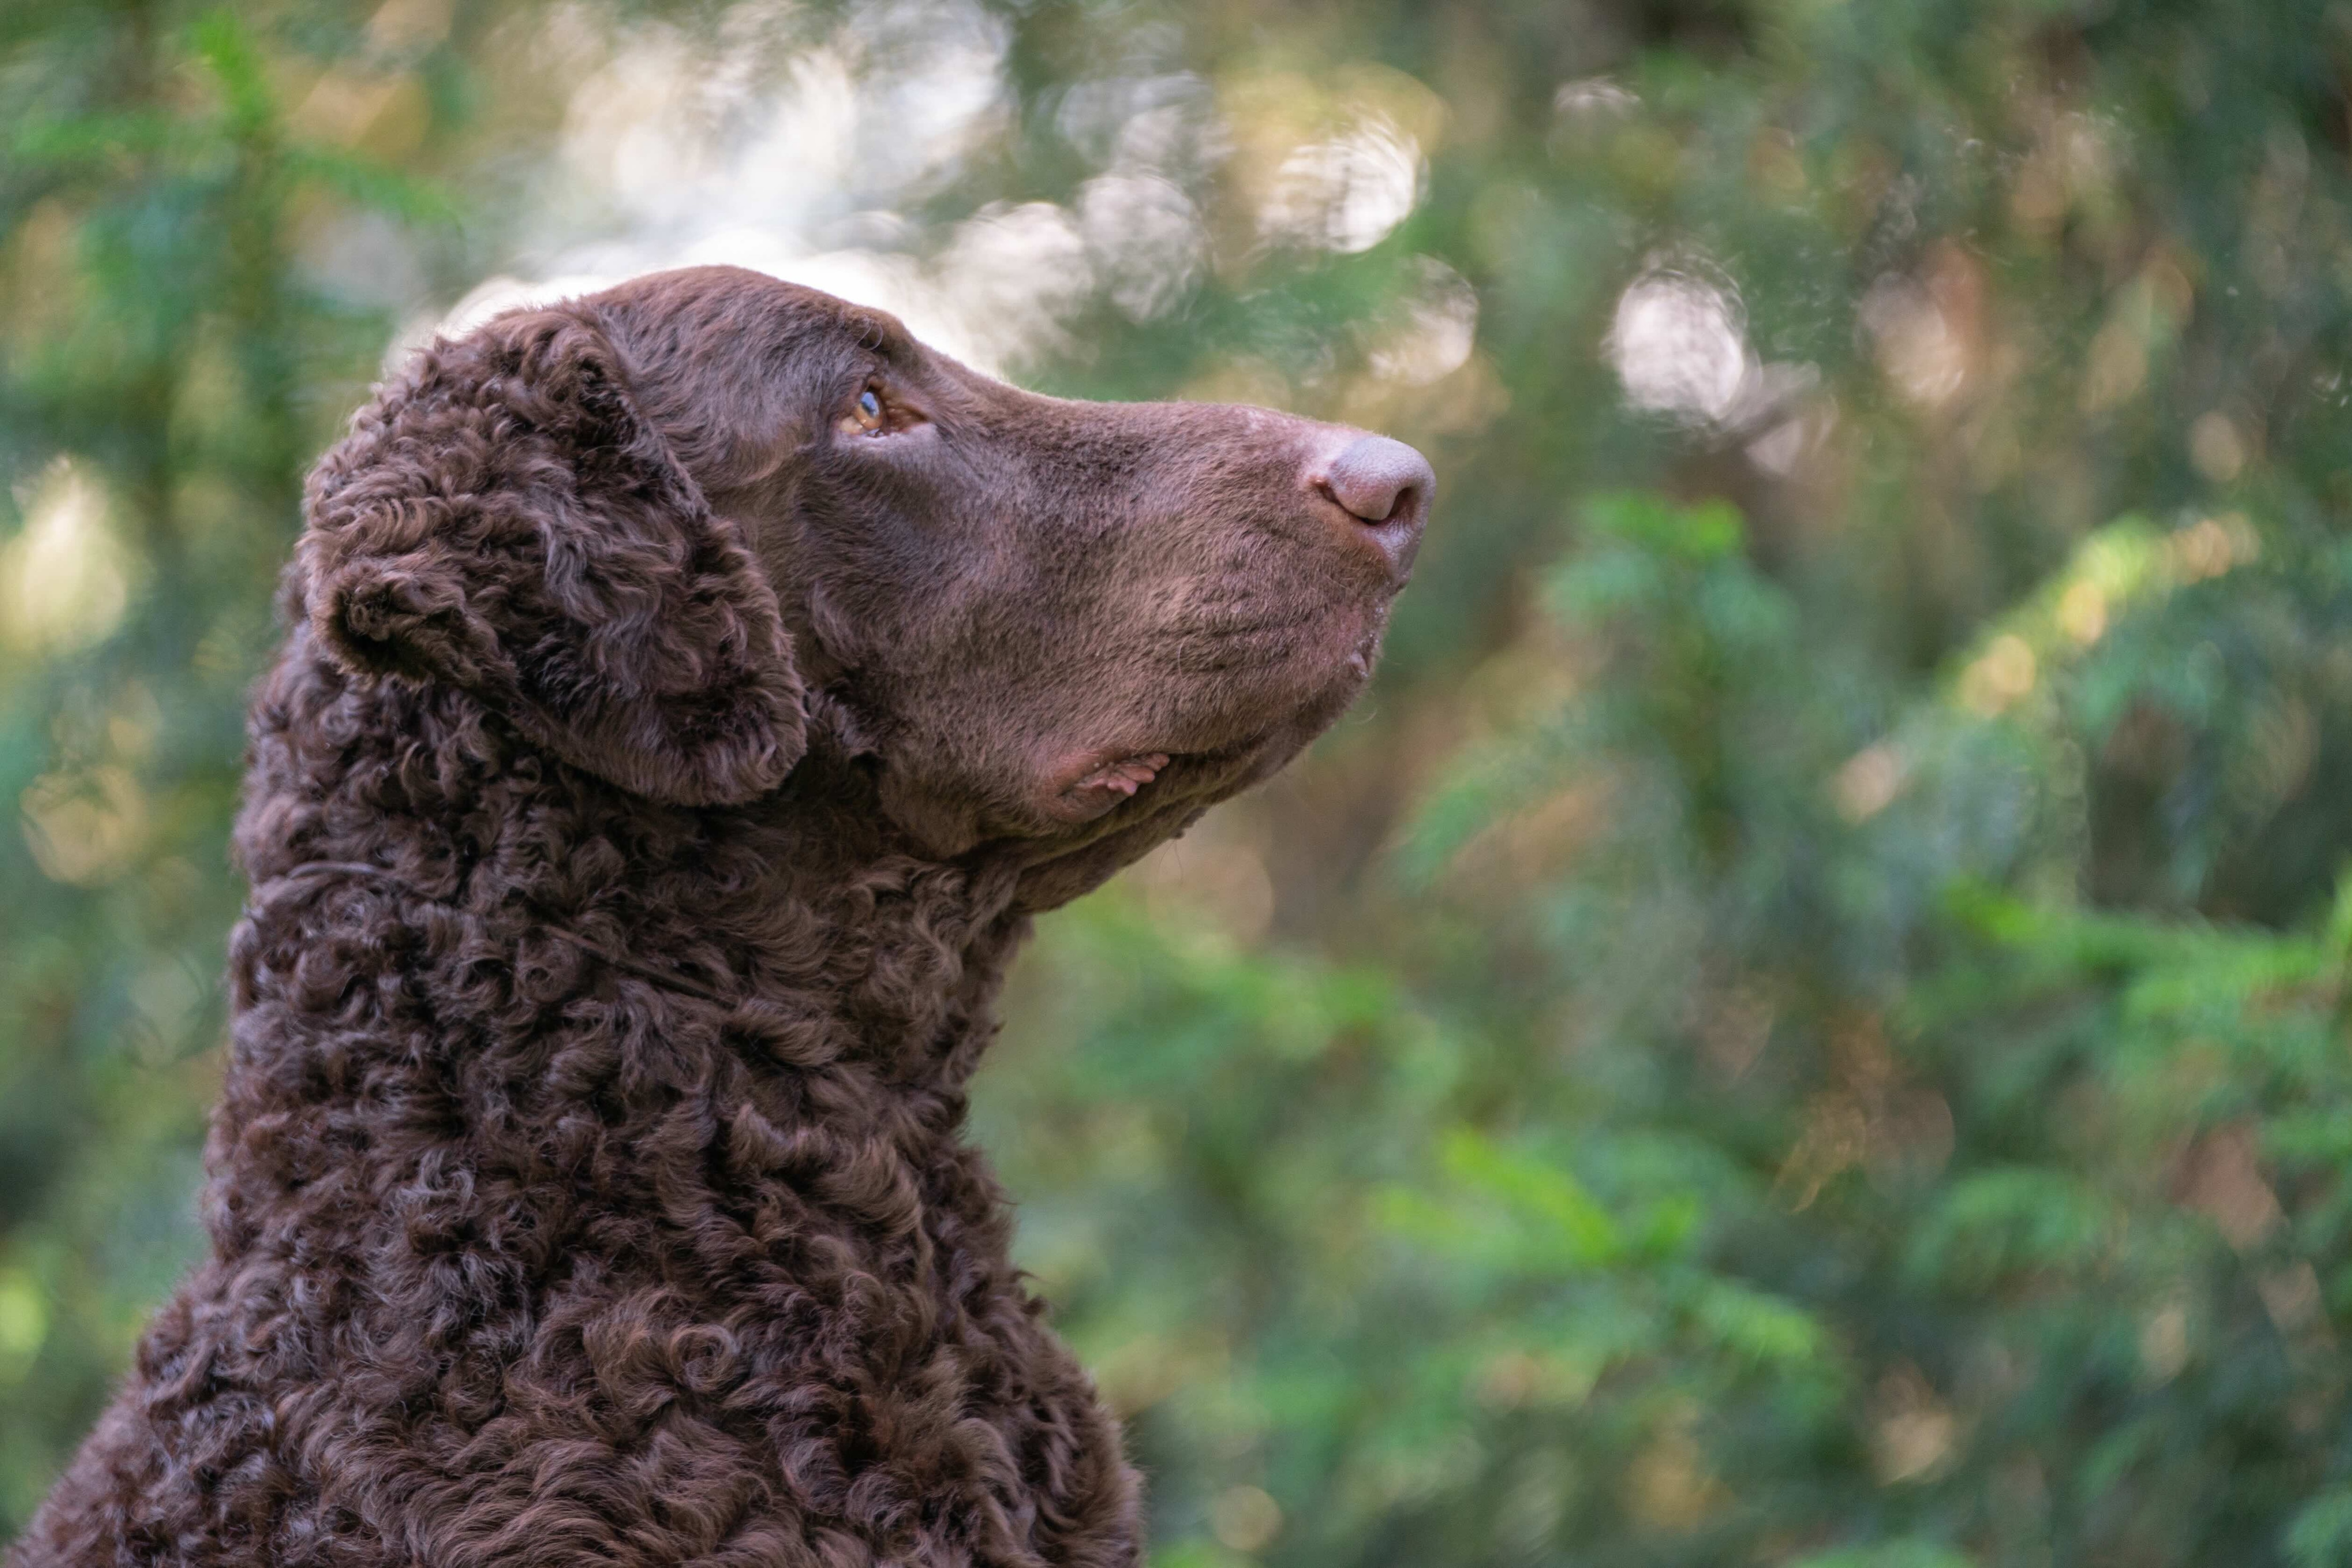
{"points": [[1074, 858], [1083, 809], [1126, 778]]}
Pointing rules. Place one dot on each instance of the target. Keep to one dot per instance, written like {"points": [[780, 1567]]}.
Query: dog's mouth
{"points": [[1086, 786], [1126, 776], [1093, 783]]}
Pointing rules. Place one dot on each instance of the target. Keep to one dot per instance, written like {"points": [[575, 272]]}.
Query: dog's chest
{"points": [[831, 1357]]}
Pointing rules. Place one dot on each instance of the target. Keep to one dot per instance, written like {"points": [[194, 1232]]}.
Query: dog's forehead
{"points": [[746, 308], [881, 333], [868, 327]]}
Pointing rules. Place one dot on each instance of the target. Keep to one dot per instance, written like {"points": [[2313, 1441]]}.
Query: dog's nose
{"points": [[1375, 477], [1385, 484]]}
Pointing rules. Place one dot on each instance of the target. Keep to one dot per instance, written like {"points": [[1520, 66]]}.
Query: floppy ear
{"points": [[505, 520]]}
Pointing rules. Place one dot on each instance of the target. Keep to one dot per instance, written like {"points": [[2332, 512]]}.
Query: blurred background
{"points": [[1802, 1021]]}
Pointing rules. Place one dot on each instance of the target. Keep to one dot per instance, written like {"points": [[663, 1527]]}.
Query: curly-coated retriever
{"points": [[693, 690]]}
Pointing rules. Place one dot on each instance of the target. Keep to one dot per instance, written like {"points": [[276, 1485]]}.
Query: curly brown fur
{"points": [[658, 775]]}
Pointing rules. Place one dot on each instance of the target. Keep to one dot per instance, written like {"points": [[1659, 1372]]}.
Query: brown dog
{"points": [[693, 691]]}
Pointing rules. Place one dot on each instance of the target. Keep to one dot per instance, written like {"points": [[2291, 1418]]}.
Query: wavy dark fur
{"points": [[522, 1254]]}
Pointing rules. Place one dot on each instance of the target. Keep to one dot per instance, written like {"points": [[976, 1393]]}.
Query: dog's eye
{"points": [[867, 415]]}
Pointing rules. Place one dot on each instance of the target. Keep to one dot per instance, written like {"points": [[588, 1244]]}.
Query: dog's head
{"points": [[659, 528]]}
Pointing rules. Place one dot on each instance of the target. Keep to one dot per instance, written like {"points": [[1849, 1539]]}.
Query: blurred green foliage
{"points": [[1803, 1023]]}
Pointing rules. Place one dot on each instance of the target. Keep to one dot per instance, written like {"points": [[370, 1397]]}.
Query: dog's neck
{"points": [[808, 906], [904, 952]]}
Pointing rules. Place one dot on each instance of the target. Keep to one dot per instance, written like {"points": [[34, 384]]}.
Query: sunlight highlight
{"points": [[796, 158], [66, 578], [1347, 193], [1680, 346]]}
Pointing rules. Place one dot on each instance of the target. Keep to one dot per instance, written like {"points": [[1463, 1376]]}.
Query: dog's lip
{"points": [[1089, 784], [1125, 775]]}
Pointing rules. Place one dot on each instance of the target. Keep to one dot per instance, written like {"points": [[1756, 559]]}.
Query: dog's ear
{"points": [[505, 519]]}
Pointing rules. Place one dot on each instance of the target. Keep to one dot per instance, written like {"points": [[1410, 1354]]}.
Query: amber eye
{"points": [[865, 416]]}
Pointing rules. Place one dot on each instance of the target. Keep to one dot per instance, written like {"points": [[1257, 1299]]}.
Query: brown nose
{"points": [[1386, 485]]}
